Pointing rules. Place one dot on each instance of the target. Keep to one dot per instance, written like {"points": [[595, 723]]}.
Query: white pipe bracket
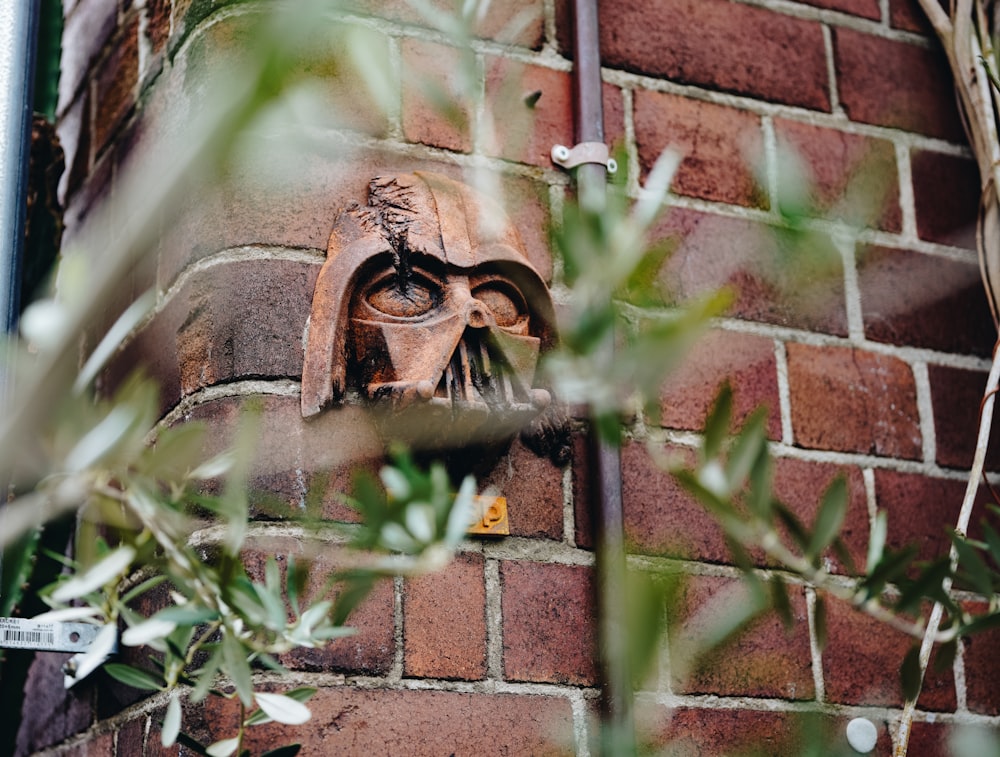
{"points": [[585, 152]]}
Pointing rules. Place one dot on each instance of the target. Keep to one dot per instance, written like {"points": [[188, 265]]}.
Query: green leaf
{"points": [[205, 677], [819, 621], [830, 517], [782, 605], [18, 559], [356, 588], [134, 677], [717, 423], [747, 449], [944, 656], [910, 675], [759, 498], [969, 559], [876, 542], [142, 588], [993, 541], [234, 656], [891, 566], [982, 623], [188, 615], [929, 584]]}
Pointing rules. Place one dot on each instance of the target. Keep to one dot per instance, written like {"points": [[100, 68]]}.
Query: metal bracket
{"points": [[54, 636], [585, 152]]}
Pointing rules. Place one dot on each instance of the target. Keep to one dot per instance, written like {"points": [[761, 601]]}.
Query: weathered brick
{"points": [[117, 84], [848, 176], [435, 110], [930, 739], [534, 492], [863, 8], [95, 745], [850, 400], [444, 622], [378, 722], [908, 15], [916, 300], [861, 663], [946, 197], [777, 277], [746, 361], [50, 713], [717, 145], [87, 29], [130, 737], [549, 633], [922, 509], [517, 22], [869, 72], [527, 123], [982, 665], [763, 660], [956, 395], [719, 45]]}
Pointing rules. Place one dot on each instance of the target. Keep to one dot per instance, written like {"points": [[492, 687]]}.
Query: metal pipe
{"points": [[18, 38], [604, 459]]}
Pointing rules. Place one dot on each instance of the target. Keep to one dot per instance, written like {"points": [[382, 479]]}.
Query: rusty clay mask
{"points": [[428, 307]]}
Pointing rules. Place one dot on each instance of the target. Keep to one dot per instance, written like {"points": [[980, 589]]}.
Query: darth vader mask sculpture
{"points": [[428, 307]]}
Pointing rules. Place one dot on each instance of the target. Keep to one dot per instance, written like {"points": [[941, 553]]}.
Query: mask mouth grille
{"points": [[477, 375]]}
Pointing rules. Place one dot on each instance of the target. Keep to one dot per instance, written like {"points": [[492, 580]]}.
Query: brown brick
{"points": [[719, 45], [869, 72], [99, 745], [930, 739], [131, 737], [614, 117], [50, 713], [763, 660], [800, 485], [982, 665], [946, 197], [921, 510], [435, 110], [549, 633], [376, 723], [117, 84], [526, 132], [745, 360], [910, 299], [229, 322], [158, 23], [534, 492], [908, 15], [956, 395], [444, 622], [850, 400], [862, 659], [848, 176], [777, 277], [717, 144], [863, 8], [86, 31]]}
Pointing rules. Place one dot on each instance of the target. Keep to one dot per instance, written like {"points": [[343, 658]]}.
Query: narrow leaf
{"points": [[830, 517], [819, 621], [108, 569], [717, 424], [910, 675], [283, 709], [969, 559], [222, 748], [134, 677], [172, 722], [238, 668]]}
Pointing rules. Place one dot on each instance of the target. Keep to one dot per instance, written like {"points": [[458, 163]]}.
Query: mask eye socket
{"points": [[418, 298], [505, 303]]}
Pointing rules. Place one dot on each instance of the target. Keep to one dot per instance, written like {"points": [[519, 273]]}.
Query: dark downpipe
{"points": [[604, 459]]}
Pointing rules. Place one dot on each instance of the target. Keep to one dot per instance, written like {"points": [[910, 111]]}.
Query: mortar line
{"points": [[784, 392], [815, 653], [494, 620], [925, 410], [907, 200], [771, 179], [569, 505], [831, 71], [398, 629]]}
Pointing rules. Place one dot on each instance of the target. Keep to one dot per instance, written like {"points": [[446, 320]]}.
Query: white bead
{"points": [[862, 735]]}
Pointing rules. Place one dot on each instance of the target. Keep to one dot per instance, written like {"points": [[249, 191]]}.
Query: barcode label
{"points": [[16, 637]]}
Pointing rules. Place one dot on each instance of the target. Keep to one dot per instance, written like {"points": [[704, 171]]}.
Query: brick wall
{"points": [[870, 351]]}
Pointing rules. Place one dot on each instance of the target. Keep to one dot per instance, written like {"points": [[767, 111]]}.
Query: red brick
{"points": [[908, 15], [849, 177], [922, 509], [100, 745], [534, 492], [717, 145], [956, 395], [800, 486], [526, 133], [915, 300], [614, 117], [863, 8], [869, 72], [117, 84], [435, 110], [745, 360], [158, 23], [549, 633], [444, 622], [930, 739], [51, 713], [862, 659], [517, 22], [946, 197], [131, 737], [776, 277], [719, 45], [86, 31], [374, 722], [763, 660], [982, 666], [849, 400]]}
